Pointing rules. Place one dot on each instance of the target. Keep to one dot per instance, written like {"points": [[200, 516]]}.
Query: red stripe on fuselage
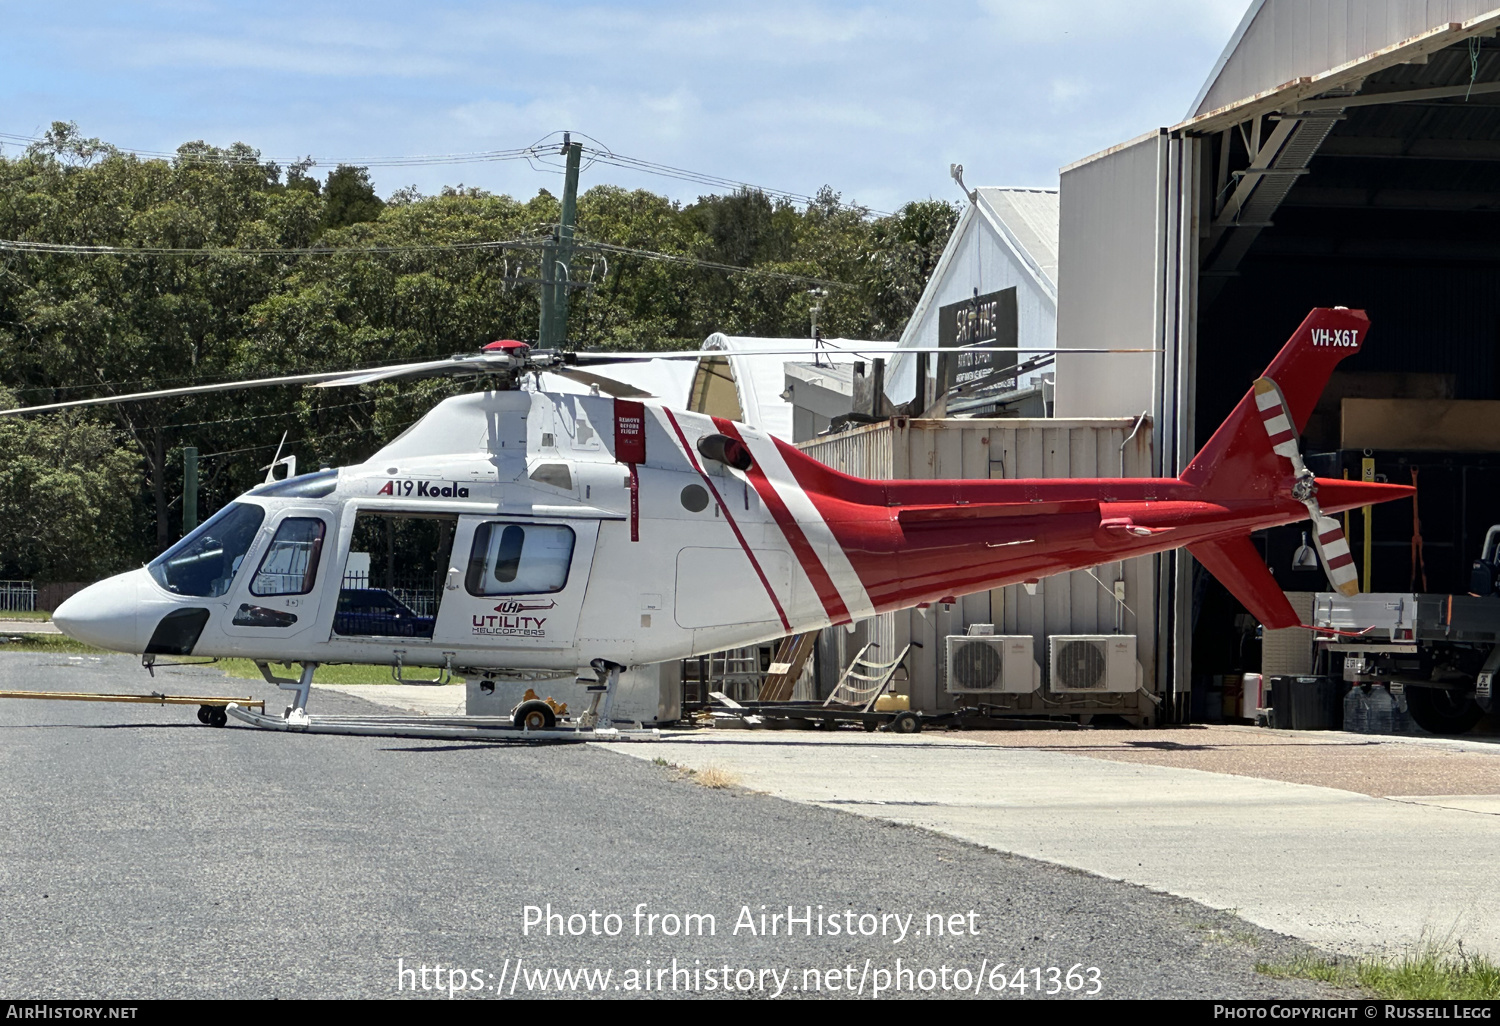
{"points": [[812, 564], [724, 506]]}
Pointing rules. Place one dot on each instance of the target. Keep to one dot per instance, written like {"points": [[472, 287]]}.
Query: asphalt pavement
{"points": [[144, 855]]}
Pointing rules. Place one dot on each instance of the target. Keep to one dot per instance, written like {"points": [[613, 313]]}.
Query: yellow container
{"points": [[892, 703]]}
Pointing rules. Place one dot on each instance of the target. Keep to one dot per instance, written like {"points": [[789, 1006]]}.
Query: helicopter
{"points": [[588, 533]]}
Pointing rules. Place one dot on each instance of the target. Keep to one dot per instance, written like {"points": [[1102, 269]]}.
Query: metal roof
{"points": [[1031, 217], [1280, 41]]}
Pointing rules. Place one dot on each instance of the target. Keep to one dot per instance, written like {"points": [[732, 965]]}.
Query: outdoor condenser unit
{"points": [[999, 664], [1092, 662]]}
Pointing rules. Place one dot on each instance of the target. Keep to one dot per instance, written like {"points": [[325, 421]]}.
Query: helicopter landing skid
{"points": [[452, 728]]}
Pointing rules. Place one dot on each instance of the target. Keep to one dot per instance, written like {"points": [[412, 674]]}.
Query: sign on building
{"points": [[987, 322]]}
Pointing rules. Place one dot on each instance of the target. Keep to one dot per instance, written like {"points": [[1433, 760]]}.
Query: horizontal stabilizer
{"points": [[1238, 565]]}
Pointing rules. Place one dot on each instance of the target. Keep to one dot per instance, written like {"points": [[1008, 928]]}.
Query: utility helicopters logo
{"points": [[507, 621]]}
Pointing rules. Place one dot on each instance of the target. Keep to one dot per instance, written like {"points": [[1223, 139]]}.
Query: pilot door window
{"points": [[204, 564], [519, 559], [394, 576], [290, 565]]}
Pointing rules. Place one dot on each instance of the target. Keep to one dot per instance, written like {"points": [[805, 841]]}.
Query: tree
{"points": [[79, 325], [66, 485], [349, 198]]}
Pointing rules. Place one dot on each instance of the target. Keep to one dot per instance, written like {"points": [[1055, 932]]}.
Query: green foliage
{"points": [[1430, 974], [47, 644], [326, 673], [66, 485], [76, 326], [349, 198]]}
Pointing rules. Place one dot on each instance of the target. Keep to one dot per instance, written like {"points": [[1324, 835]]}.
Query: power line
{"points": [[283, 414], [68, 249], [674, 258], [299, 441], [537, 153]]}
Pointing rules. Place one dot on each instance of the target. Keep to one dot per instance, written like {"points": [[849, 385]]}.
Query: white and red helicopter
{"points": [[592, 533]]}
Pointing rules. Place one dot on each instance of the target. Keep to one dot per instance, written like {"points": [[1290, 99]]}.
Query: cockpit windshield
{"points": [[205, 562]]}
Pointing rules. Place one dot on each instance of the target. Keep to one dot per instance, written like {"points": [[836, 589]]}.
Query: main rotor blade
{"points": [[609, 386], [469, 363], [162, 393], [709, 354], [477, 363]]}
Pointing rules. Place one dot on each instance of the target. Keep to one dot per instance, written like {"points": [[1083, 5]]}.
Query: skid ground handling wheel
{"points": [[534, 715], [906, 723], [213, 715]]}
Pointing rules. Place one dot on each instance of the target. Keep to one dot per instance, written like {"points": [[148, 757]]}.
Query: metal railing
{"points": [[18, 596]]}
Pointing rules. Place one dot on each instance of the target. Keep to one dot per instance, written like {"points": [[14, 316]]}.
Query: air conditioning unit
{"points": [[998, 664], [1082, 663]]}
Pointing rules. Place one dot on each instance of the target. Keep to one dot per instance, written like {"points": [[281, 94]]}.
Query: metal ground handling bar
{"points": [[84, 696]]}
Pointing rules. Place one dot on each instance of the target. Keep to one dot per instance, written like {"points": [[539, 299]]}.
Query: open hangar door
{"points": [[1381, 193]]}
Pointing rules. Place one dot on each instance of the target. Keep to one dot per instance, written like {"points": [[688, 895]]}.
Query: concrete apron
{"points": [[1343, 871]]}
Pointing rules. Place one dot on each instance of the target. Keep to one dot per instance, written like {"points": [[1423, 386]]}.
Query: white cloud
{"points": [[873, 97]]}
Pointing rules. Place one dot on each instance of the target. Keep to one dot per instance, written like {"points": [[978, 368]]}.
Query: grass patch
{"points": [[55, 644], [244, 669], [715, 777], [1428, 975], [24, 614], [346, 673]]}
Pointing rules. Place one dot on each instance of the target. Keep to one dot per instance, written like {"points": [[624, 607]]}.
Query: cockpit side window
{"points": [[205, 562], [290, 565]]}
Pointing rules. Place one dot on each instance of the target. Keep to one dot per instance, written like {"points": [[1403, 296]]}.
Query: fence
{"points": [[419, 593], [18, 596]]}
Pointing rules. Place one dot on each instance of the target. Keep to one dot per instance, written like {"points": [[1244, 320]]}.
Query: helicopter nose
{"points": [[104, 614]]}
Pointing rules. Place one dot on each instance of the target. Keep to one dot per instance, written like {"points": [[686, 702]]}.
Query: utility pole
{"points": [[557, 256], [189, 489]]}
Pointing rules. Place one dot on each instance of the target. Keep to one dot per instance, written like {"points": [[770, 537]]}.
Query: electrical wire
{"points": [[298, 441], [283, 414], [542, 154], [68, 249], [675, 258]]}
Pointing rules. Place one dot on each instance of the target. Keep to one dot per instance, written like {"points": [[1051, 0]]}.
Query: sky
{"points": [[874, 99]]}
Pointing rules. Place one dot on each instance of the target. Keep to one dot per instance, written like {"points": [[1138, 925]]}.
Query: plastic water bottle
{"points": [[1357, 710], [1381, 708], [1400, 714]]}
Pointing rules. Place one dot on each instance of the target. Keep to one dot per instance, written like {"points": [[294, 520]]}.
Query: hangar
{"points": [[1341, 152]]}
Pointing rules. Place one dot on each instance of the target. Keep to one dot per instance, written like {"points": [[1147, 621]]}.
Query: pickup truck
{"points": [[1442, 650]]}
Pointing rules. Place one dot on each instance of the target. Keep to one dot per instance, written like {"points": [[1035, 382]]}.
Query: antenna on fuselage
{"points": [[290, 461]]}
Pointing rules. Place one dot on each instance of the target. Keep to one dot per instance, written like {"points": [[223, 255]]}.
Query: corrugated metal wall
{"points": [[1074, 603]]}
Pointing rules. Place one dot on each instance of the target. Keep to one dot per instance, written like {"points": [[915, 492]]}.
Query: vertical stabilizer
{"points": [[1249, 455]]}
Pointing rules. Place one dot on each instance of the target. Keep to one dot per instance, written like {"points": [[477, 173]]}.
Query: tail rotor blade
{"points": [[1333, 549], [1328, 534], [1277, 420]]}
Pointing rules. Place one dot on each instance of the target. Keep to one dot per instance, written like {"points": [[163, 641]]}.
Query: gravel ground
{"points": [[146, 856], [1367, 764]]}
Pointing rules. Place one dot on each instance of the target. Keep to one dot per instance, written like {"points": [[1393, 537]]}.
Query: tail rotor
{"points": [[1328, 533]]}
